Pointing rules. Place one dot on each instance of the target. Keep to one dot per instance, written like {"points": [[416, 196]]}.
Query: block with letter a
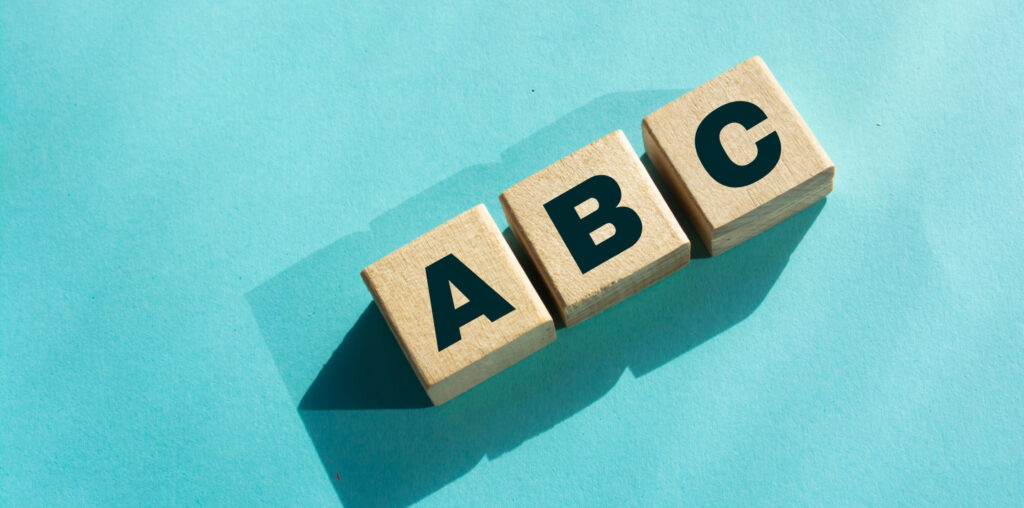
{"points": [[459, 304]]}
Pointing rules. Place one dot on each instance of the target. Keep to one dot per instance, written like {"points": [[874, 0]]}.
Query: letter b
{"points": [[576, 231]]}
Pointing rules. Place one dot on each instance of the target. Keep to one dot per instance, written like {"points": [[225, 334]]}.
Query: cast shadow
{"points": [[367, 371], [379, 440]]}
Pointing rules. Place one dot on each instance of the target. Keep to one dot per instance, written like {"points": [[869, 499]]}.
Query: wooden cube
{"points": [[596, 227], [459, 304], [737, 155]]}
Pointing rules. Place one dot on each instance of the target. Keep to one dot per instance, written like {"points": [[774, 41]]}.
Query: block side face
{"points": [[675, 126], [491, 364], [768, 215], [385, 310], [628, 286], [399, 285], [610, 156]]}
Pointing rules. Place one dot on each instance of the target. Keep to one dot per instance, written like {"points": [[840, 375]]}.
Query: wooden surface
{"points": [[399, 286], [661, 249], [726, 216]]}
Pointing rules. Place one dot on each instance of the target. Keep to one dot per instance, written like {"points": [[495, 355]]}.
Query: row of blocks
{"points": [[735, 153]]}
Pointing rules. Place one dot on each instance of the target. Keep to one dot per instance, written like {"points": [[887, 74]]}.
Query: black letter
{"points": [[575, 230], [482, 299], [713, 156]]}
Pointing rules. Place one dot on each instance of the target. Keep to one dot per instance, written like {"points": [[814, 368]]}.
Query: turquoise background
{"points": [[189, 190]]}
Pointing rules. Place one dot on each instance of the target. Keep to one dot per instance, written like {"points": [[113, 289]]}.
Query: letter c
{"points": [[713, 157]]}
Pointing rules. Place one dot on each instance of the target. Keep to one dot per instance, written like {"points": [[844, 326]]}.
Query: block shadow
{"points": [[379, 440]]}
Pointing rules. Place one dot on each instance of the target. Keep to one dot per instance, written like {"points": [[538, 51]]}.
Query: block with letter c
{"points": [[737, 155]]}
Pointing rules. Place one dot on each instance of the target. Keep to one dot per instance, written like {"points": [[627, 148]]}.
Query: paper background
{"points": [[189, 191]]}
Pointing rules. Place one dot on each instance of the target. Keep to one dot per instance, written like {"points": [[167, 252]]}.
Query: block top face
{"points": [[674, 128], [399, 284], [611, 156]]}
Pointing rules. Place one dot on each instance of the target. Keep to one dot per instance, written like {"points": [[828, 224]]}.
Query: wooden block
{"points": [[737, 155], [459, 304], [596, 227]]}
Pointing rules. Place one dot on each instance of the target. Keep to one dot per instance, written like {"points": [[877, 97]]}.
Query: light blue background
{"points": [[190, 189]]}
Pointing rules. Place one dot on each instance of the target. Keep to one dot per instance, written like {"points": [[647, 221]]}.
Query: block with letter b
{"points": [[459, 304], [737, 155], [596, 227]]}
